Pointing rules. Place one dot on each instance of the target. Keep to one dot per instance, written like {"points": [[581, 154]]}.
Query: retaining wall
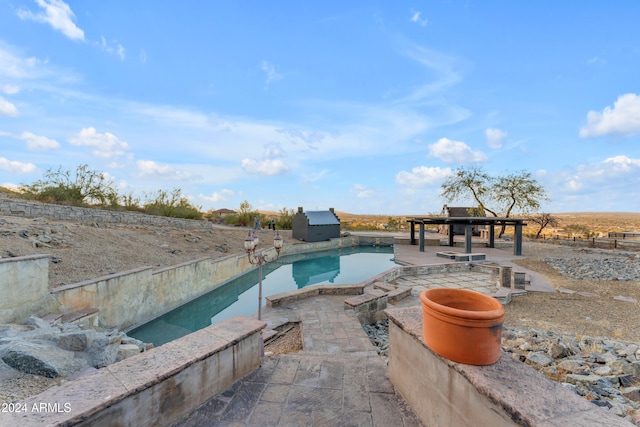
{"points": [[507, 393], [24, 288], [455, 267], [130, 298], [154, 388], [31, 209]]}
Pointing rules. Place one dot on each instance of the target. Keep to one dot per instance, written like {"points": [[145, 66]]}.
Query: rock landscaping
{"points": [[63, 350], [606, 265], [602, 370]]}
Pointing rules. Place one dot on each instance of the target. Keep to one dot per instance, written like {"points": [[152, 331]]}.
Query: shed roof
{"points": [[322, 218]]}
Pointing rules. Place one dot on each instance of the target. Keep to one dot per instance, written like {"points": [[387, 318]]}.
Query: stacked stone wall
{"points": [[31, 209]]}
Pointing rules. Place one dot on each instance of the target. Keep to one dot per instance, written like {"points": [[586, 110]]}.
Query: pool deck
{"points": [[338, 379]]}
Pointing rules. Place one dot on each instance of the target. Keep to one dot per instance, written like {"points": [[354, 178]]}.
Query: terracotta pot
{"points": [[462, 325]]}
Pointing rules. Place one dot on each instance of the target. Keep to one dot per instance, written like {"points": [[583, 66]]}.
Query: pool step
{"points": [[394, 293]]}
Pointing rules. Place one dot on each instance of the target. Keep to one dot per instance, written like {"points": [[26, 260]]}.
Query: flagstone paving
{"points": [[338, 380]]}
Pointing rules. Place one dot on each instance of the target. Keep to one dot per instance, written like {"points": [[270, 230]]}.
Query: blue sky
{"points": [[364, 106]]}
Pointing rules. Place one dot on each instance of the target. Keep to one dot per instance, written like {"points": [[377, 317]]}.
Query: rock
{"points": [[571, 365], [41, 359], [76, 340], [581, 379], [603, 371], [557, 350], [11, 331], [127, 350], [539, 359], [103, 350], [37, 322], [130, 340]]}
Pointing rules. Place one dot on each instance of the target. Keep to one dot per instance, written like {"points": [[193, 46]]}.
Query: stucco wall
{"points": [[23, 288], [507, 393], [128, 298]]}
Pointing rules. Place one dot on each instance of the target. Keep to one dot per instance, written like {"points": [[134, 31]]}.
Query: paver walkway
{"points": [[338, 380]]}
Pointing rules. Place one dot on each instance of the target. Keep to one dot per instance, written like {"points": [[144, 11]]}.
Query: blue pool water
{"points": [[240, 296]]}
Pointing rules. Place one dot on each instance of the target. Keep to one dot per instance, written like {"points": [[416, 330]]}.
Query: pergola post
{"points": [[492, 236], [451, 235], [412, 231], [421, 236], [468, 232], [517, 239]]}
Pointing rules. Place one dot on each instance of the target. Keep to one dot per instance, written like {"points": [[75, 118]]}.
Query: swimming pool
{"points": [[240, 296]]}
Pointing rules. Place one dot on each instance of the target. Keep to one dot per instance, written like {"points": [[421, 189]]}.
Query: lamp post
{"points": [[258, 258]]}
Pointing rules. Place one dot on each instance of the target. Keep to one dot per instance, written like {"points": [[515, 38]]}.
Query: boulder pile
{"points": [[64, 349]]}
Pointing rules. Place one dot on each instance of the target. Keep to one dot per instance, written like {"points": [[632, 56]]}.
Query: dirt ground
{"points": [[96, 250], [92, 251], [575, 314]]}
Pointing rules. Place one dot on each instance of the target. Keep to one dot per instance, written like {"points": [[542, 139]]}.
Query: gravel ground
{"points": [[591, 312]]}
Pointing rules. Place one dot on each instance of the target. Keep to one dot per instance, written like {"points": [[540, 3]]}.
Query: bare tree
{"points": [[543, 220], [517, 190]]}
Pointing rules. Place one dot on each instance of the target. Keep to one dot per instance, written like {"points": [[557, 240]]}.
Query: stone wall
{"points": [[30, 209], [24, 288], [157, 387]]}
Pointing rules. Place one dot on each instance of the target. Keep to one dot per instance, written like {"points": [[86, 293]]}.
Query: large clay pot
{"points": [[462, 325]]}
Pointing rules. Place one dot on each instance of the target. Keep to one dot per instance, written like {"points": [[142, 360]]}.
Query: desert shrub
{"points": [[80, 187], [285, 219], [129, 202], [173, 204]]}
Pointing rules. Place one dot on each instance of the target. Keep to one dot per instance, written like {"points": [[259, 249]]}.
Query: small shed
{"points": [[315, 226]]}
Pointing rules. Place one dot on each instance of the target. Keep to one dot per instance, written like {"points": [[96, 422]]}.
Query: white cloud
{"points": [[416, 17], [623, 163], [37, 142], [422, 176], [13, 66], [218, 196], [269, 167], [495, 137], [151, 168], [362, 192], [106, 145], [270, 163], [10, 185], [16, 167], [270, 71], [115, 49], [623, 118], [56, 13], [612, 173], [450, 151], [7, 108], [10, 89]]}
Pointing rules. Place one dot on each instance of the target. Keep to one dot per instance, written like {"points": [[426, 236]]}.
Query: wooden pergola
{"points": [[468, 222]]}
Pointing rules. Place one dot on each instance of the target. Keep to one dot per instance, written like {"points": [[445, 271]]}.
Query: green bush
{"points": [[79, 188], [285, 219], [172, 204]]}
